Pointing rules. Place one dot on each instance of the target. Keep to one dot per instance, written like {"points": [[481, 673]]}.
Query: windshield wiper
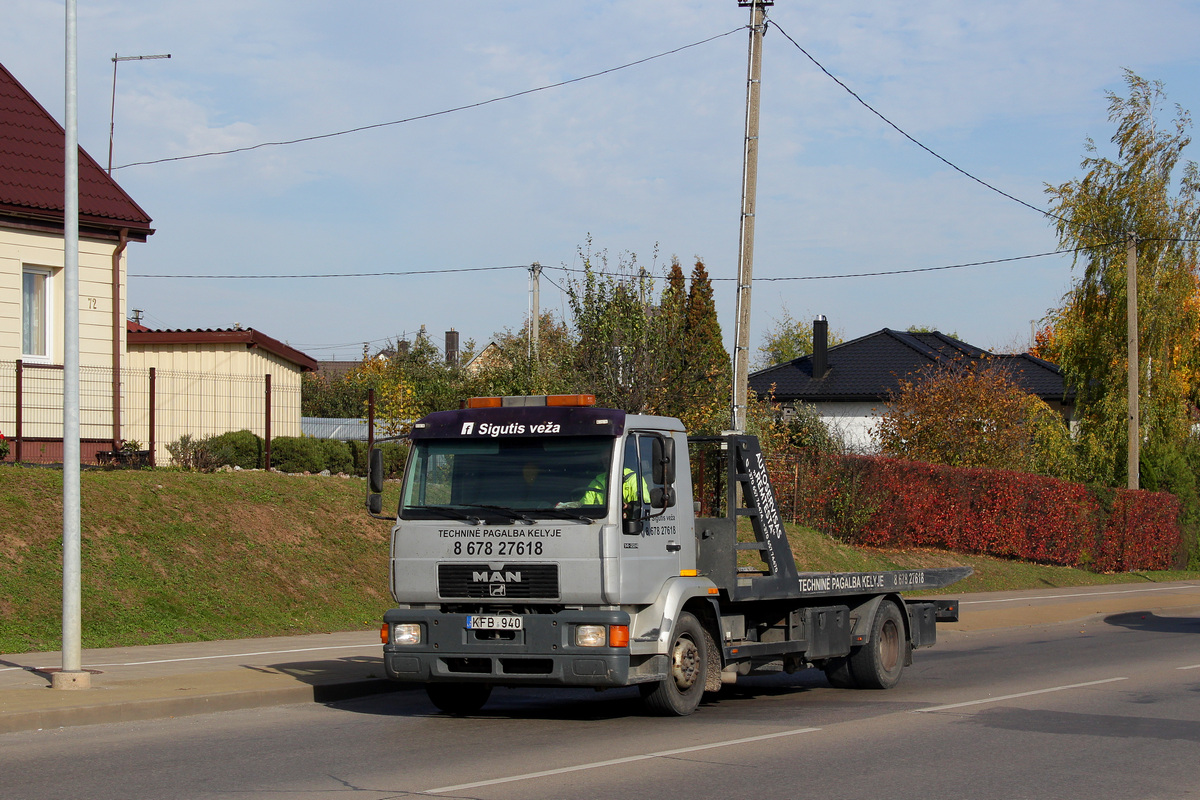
{"points": [[562, 513], [453, 513], [513, 515]]}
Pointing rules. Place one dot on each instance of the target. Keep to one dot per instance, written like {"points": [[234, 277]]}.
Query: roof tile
{"points": [[32, 170], [870, 368]]}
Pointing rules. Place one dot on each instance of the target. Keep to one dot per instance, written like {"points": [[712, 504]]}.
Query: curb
{"points": [[165, 707]]}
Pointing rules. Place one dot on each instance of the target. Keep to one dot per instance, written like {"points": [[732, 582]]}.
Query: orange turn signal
{"points": [[618, 636], [383, 633], [578, 400], [485, 402]]}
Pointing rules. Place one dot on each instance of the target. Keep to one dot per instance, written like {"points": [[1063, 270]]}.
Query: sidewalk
{"points": [[135, 683]]}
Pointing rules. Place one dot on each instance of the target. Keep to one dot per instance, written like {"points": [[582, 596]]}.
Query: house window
{"points": [[35, 313]]}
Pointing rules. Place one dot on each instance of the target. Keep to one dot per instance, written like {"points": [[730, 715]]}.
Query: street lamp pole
{"points": [[113, 106]]}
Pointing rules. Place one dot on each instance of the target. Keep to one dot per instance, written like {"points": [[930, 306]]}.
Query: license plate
{"points": [[491, 622]]}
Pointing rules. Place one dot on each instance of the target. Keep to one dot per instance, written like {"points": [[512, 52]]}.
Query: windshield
{"points": [[558, 477]]}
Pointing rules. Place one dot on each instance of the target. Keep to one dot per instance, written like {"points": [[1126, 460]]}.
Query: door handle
{"points": [[674, 547]]}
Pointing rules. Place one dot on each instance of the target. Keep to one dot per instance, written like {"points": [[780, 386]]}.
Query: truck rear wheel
{"points": [[458, 698], [878, 663], [680, 693]]}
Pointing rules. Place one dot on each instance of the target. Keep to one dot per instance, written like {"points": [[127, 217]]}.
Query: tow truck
{"points": [[541, 541]]}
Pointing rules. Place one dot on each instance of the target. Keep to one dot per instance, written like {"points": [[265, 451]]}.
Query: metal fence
{"points": [[156, 408]]}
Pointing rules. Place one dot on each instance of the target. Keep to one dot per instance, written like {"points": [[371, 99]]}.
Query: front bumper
{"points": [[542, 653]]}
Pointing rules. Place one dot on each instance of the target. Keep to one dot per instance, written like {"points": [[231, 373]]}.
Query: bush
{"points": [[237, 449], [297, 454], [885, 502], [192, 454], [337, 456], [1175, 468]]}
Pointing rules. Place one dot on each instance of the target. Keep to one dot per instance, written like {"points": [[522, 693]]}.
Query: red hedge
{"points": [[886, 502]]}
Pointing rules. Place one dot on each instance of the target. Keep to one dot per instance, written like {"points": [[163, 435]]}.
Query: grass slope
{"points": [[172, 556]]}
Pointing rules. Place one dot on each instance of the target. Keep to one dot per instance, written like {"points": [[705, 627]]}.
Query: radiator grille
{"points": [[478, 581]]}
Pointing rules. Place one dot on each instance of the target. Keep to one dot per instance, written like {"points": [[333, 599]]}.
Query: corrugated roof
{"points": [[32, 173], [136, 335], [870, 368]]}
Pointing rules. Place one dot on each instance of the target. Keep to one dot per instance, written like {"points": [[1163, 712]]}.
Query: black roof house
{"points": [[870, 368]]}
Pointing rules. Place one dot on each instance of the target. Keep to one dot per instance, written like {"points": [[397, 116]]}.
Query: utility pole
{"points": [[1133, 463], [535, 274], [741, 345]]}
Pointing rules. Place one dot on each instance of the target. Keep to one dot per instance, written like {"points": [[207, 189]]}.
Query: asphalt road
{"points": [[1107, 708]]}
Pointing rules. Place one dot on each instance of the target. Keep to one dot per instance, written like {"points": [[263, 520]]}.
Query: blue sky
{"points": [[641, 159]]}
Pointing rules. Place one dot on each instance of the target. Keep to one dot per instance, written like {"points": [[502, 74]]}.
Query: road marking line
{"points": [[1015, 696], [612, 762], [208, 658], [1079, 594], [1193, 666]]}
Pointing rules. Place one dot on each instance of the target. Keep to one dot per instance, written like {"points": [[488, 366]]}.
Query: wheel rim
{"points": [[889, 645], [685, 663]]}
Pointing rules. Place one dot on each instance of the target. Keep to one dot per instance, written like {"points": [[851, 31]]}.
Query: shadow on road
{"points": [[1074, 724], [1152, 623]]}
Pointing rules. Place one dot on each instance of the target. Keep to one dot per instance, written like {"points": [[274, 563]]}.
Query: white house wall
{"points": [[20, 249], [207, 389], [853, 423], [42, 416]]}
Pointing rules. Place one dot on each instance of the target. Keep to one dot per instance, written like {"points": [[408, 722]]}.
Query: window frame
{"points": [[46, 312]]}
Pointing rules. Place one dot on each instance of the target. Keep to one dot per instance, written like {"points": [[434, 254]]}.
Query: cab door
{"points": [[650, 542]]}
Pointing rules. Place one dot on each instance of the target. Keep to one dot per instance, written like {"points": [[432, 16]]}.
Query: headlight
{"points": [[591, 636], [406, 633]]}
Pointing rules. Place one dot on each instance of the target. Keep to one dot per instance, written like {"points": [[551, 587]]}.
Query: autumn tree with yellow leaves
{"points": [[1150, 194]]}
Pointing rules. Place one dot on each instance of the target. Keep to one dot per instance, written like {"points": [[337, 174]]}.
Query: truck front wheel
{"points": [[680, 693], [458, 698]]}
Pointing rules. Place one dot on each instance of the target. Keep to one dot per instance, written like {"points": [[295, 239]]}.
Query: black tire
{"points": [[879, 663], [458, 699], [680, 693], [837, 670]]}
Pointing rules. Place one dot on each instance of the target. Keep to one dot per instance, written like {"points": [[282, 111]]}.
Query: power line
{"points": [[903, 133], [880, 273], [434, 113], [337, 274]]}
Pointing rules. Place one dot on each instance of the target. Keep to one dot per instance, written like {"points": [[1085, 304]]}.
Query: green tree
{"points": [[704, 387], [620, 355], [1147, 193], [788, 339], [515, 368]]}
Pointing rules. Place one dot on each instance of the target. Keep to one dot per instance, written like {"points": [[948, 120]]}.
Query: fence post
{"points": [[152, 401], [267, 425], [20, 389]]}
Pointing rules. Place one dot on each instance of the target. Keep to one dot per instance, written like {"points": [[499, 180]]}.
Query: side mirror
{"points": [[662, 498], [663, 455], [375, 503]]}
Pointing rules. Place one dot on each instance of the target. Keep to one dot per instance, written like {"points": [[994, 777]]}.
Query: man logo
{"points": [[468, 428], [497, 589], [507, 576]]}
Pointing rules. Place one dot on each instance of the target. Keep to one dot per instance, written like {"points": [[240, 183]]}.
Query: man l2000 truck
{"points": [[540, 541]]}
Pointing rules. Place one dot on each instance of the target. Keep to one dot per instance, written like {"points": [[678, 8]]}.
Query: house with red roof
{"points": [[32, 147], [135, 383]]}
